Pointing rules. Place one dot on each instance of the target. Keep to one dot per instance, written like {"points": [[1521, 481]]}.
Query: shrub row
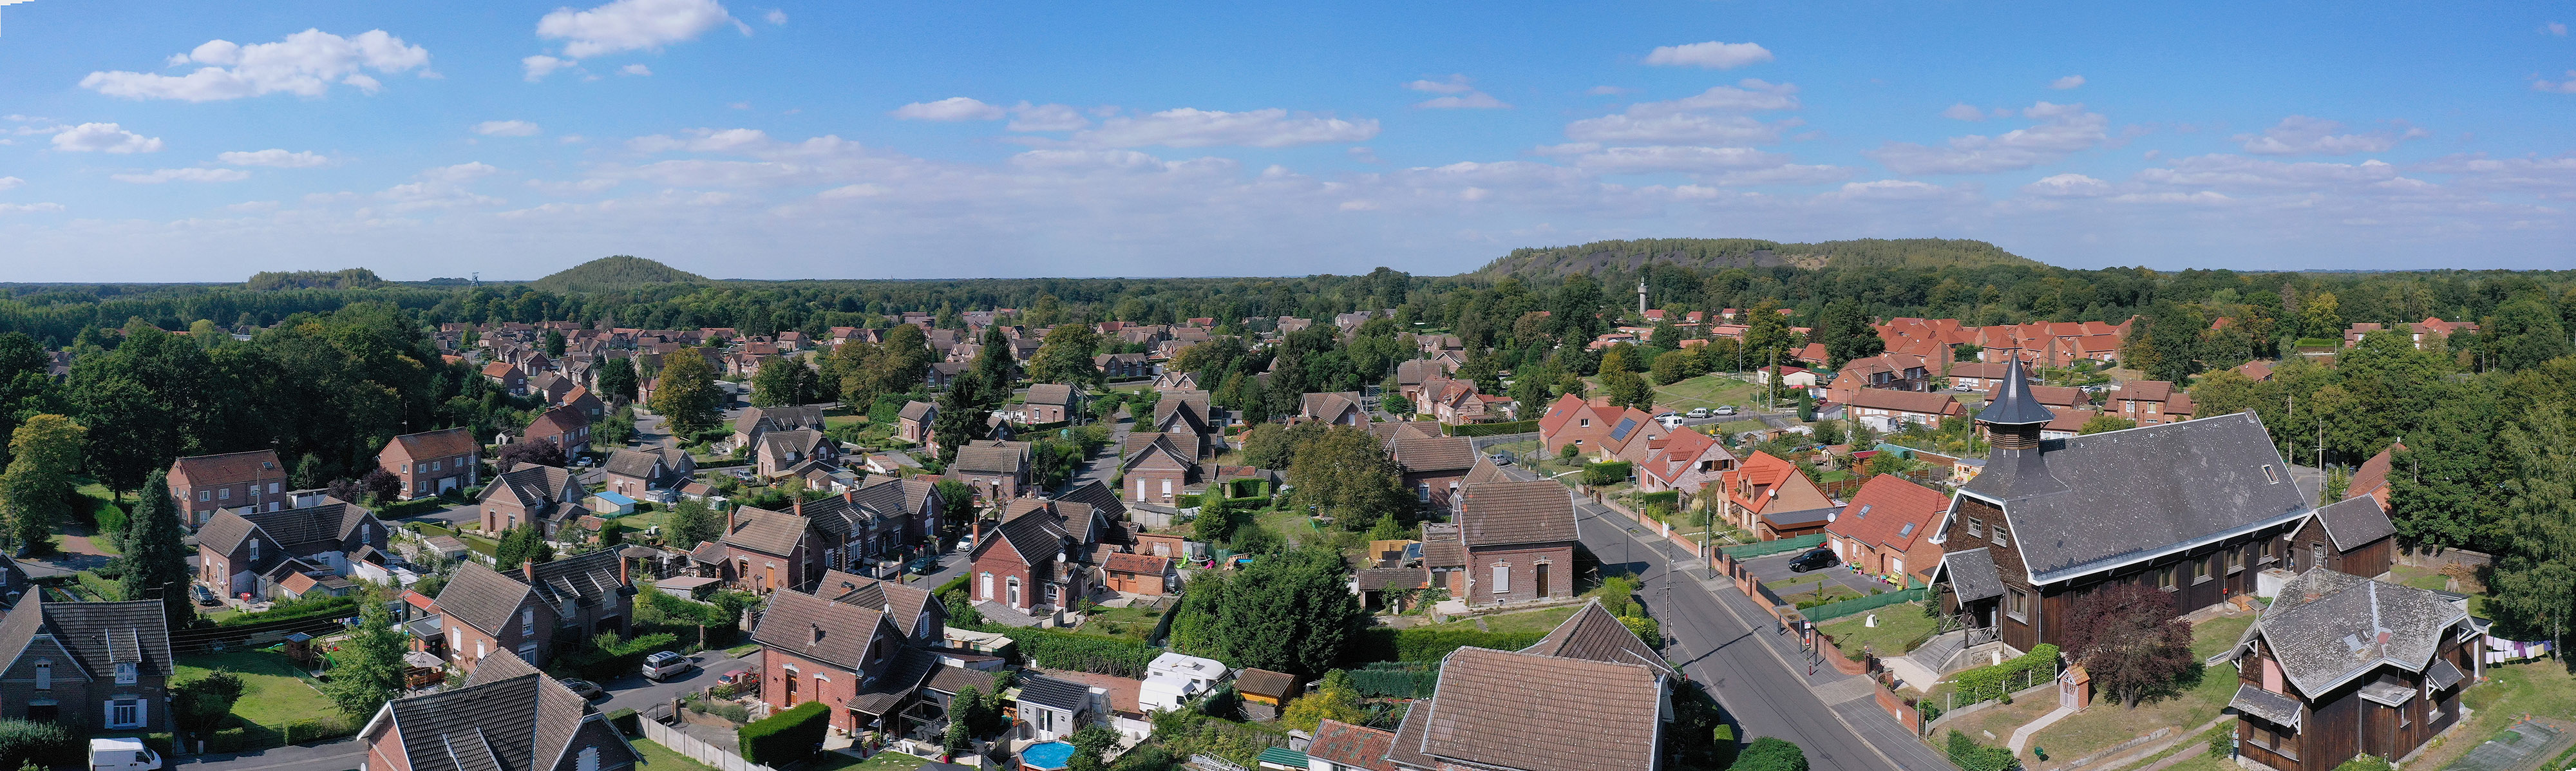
{"points": [[786, 737], [1609, 473], [1996, 681], [1493, 429], [1395, 680], [1079, 652], [1427, 644], [318, 607]]}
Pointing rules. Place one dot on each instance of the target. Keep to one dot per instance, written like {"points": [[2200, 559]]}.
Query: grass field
{"points": [[660, 758], [1704, 391], [1293, 525], [1897, 625], [274, 691], [2108, 723], [1123, 623], [2512, 690]]}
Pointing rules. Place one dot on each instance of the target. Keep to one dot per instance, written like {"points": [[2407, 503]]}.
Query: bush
{"points": [[1395, 680], [2000, 680], [1426, 644], [229, 740], [1668, 498], [1493, 429], [106, 590], [1080, 652], [313, 606], [45, 744], [1770, 754], [786, 737], [2365, 763], [1609, 473], [1968, 755], [316, 728]]}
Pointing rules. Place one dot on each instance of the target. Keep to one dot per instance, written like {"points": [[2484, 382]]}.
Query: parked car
{"points": [[1815, 559], [1669, 420], [1699, 412], [661, 666], [1726, 410], [1502, 459], [740, 680], [204, 595], [586, 689], [121, 755]]}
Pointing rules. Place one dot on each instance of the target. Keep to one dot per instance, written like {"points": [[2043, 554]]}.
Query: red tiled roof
{"points": [[1880, 513]]}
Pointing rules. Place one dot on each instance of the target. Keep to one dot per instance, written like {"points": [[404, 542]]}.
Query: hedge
{"points": [[230, 740], [315, 728], [1493, 429], [1395, 680], [330, 607], [1968, 755], [1080, 652], [47, 744], [1841, 608], [787, 737], [1671, 498], [1609, 473], [1996, 681], [1427, 644]]}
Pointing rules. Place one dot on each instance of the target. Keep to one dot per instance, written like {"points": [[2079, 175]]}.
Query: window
{"points": [[44, 675], [125, 673], [254, 550], [404, 468], [455, 639], [125, 713], [2271, 475], [527, 620], [2199, 569], [1015, 591], [2165, 578], [1422, 491], [2317, 554], [225, 494], [588, 760], [2000, 538], [1502, 578], [2016, 603], [1976, 529], [2236, 559], [528, 651], [204, 495]]}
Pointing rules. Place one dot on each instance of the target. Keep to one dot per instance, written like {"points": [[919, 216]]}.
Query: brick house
{"points": [[779, 453], [1029, 562], [1886, 529], [1762, 493], [433, 462], [93, 667], [1917, 407], [1519, 541], [530, 493], [1434, 467], [765, 551], [204, 483], [254, 553], [1156, 471], [2149, 402], [850, 657], [1054, 403], [996, 469], [1123, 366], [1573, 421], [507, 376], [1144, 574], [1684, 461], [913, 423], [507, 715], [1188, 412], [535, 608], [2340, 666], [1341, 408], [759, 420], [635, 472], [878, 522], [566, 427]]}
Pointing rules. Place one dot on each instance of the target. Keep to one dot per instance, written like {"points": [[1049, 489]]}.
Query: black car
{"points": [[1817, 559], [584, 688]]}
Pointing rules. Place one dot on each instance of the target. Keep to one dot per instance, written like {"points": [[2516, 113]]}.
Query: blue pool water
{"points": [[1047, 755]]}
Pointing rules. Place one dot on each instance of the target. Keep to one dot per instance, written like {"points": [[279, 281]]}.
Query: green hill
{"points": [[1713, 253], [618, 272]]}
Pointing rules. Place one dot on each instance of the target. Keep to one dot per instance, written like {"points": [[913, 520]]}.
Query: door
{"points": [[1542, 579]]}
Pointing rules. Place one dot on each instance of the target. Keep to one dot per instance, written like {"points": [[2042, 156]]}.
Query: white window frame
{"points": [[44, 675], [126, 673], [136, 714], [1502, 578]]}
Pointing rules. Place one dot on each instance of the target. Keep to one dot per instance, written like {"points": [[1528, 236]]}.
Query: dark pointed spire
{"points": [[2013, 404]]}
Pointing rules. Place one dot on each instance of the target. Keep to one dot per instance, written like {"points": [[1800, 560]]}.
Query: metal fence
{"points": [[696, 749], [1843, 608], [1765, 548]]}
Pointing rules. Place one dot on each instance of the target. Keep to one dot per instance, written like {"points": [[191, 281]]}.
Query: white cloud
{"points": [[2554, 28], [955, 108], [2067, 82], [184, 175], [2567, 86], [507, 128], [1889, 190], [29, 208], [629, 25], [1459, 93], [10, 183], [2303, 135], [104, 138], [1047, 117], [1643, 160], [1605, 91], [775, 16], [2236, 172], [250, 207], [1787, 174], [305, 63], [635, 69], [2068, 186], [1686, 120], [541, 65], [1711, 55], [1191, 127], [459, 172], [273, 157], [2063, 130], [1964, 111]]}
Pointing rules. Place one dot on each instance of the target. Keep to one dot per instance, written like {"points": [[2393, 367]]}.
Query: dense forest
{"points": [[335, 362]]}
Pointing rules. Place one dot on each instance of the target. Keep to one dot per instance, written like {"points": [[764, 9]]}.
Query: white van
{"points": [[121, 755]]}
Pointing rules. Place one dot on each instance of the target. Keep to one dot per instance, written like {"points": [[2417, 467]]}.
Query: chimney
{"points": [[528, 570], [623, 576]]}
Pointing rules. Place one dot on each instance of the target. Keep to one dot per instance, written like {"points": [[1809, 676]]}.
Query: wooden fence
{"points": [[696, 749]]}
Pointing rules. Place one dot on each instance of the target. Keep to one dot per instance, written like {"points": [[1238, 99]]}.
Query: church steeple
{"points": [[2013, 420]]}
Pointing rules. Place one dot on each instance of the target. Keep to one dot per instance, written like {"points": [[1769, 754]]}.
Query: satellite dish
{"points": [[1830, 515]]}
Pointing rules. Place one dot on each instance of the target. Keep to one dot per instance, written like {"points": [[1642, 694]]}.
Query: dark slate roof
{"points": [[1802, 517], [2326, 628], [1036, 536], [763, 419], [2353, 522], [1440, 546], [507, 717], [901, 603], [950, 680], [1381, 579], [1542, 713], [633, 463], [2014, 405], [2280, 710], [97, 634], [791, 622], [482, 597], [1516, 512], [588, 578], [1051, 692], [324, 526], [1098, 496], [1592, 634], [2443, 674], [1972, 574], [2094, 502], [532, 485], [886, 692], [916, 411]]}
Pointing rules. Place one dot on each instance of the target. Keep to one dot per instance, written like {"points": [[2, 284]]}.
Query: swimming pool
{"points": [[1047, 756]]}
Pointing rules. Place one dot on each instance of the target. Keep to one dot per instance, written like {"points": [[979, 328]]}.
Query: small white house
{"points": [[1174, 678]]}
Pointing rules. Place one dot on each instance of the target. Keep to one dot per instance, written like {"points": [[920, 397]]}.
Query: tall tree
{"points": [[993, 366], [37, 488], [1065, 357], [1345, 471], [692, 523], [554, 343], [1290, 613], [962, 413], [142, 404], [1628, 389], [1848, 334], [156, 556], [2127, 637], [686, 395], [784, 382], [617, 379], [26, 383], [368, 669], [2536, 581]]}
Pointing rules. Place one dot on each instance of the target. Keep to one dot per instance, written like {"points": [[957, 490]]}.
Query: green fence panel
{"points": [[1832, 610], [1744, 551]]}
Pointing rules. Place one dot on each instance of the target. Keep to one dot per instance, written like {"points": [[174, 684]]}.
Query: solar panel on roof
{"points": [[1621, 432]]}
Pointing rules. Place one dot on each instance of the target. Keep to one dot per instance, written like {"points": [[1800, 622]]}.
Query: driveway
{"points": [[341, 755], [632, 691], [1774, 572], [448, 515]]}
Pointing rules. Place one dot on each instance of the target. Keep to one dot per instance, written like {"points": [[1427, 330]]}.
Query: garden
{"points": [[279, 703]]}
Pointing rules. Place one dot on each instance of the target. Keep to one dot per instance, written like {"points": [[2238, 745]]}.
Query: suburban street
{"points": [[1724, 643]]}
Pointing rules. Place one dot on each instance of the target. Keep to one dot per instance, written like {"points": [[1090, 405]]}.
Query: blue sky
{"points": [[154, 140]]}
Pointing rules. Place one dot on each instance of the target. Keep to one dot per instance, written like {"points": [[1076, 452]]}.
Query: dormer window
{"points": [[818, 633], [1976, 529], [125, 673], [2001, 539]]}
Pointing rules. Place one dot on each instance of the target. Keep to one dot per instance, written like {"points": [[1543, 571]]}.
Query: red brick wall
{"points": [[1153, 479], [1000, 562], [386, 753], [836, 690], [1524, 562]]}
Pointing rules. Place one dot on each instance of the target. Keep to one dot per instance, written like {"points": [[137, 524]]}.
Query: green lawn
{"points": [[1898, 625], [1539, 621], [660, 758], [835, 421], [1292, 525], [1124, 623], [2534, 687], [2107, 723], [1704, 391], [883, 761], [274, 693]]}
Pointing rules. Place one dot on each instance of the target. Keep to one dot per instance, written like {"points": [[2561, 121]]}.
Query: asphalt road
{"points": [[1720, 651]]}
